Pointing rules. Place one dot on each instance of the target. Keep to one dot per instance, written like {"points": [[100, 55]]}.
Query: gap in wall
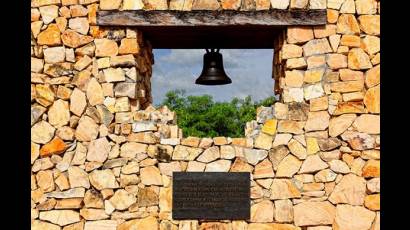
{"points": [[249, 69]]}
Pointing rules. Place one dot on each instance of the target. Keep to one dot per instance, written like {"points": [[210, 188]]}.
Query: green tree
{"points": [[202, 117]]}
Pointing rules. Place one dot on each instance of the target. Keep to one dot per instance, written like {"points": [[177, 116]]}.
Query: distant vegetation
{"points": [[201, 116]]}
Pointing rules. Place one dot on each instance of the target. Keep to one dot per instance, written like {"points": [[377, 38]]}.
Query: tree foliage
{"points": [[201, 116]]}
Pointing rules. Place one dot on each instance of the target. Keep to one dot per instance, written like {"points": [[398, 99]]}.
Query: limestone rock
{"points": [[218, 166], [42, 132], [262, 211], [151, 176], [316, 46], [291, 51], [353, 217], [123, 89], [372, 202], [54, 54], [149, 223], [147, 197], [60, 217], [48, 13], [297, 149], [283, 211], [49, 36], [349, 107], [373, 77], [73, 39], [284, 189], [372, 99], [371, 168], [263, 170], [36, 112], [42, 225], [373, 185], [314, 213], [298, 4], [296, 63], [58, 114], [263, 141], [370, 44], [220, 140], [79, 24], [339, 166], [93, 214], [168, 168], [359, 141], [271, 226], [327, 144], [281, 139], [209, 155], [279, 4], [293, 95], [277, 154], [313, 163], [288, 126], [253, 156], [87, 129], [131, 149], [312, 145], [347, 24], [317, 121], [78, 102], [313, 91], [288, 166], [338, 125], [103, 179], [93, 199], [56, 146], [70, 193], [370, 24], [122, 199], [78, 177], [205, 5], [105, 47], [227, 152], [114, 75], [294, 78], [101, 225], [317, 4], [358, 59], [351, 190], [348, 7], [45, 180], [336, 61], [185, 153], [314, 75], [367, 123], [194, 166], [98, 150], [94, 92]]}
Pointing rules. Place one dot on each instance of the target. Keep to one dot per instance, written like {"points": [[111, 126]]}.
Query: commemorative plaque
{"points": [[211, 195]]}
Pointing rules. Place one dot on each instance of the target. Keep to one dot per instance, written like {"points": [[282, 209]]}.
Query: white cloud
{"points": [[250, 71]]}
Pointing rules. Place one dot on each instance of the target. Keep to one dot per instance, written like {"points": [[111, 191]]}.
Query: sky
{"points": [[249, 69]]}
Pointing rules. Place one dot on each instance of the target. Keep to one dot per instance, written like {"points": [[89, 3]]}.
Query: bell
{"points": [[213, 72]]}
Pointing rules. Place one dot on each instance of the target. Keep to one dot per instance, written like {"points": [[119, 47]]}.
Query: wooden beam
{"points": [[159, 18]]}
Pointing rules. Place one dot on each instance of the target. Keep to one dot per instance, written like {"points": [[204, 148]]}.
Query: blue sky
{"points": [[249, 69]]}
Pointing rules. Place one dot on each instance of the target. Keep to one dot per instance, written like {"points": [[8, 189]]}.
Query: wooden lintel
{"points": [[156, 18]]}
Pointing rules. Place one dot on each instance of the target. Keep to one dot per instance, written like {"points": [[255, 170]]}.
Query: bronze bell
{"points": [[213, 72]]}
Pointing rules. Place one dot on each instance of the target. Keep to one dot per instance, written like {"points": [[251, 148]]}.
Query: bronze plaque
{"points": [[211, 195]]}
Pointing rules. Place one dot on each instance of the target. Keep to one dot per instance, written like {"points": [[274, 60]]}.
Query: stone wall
{"points": [[102, 157]]}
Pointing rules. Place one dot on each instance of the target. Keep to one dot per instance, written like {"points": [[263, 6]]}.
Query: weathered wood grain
{"points": [[143, 18]]}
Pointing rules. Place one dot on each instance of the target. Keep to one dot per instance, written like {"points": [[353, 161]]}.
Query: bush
{"points": [[200, 116]]}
